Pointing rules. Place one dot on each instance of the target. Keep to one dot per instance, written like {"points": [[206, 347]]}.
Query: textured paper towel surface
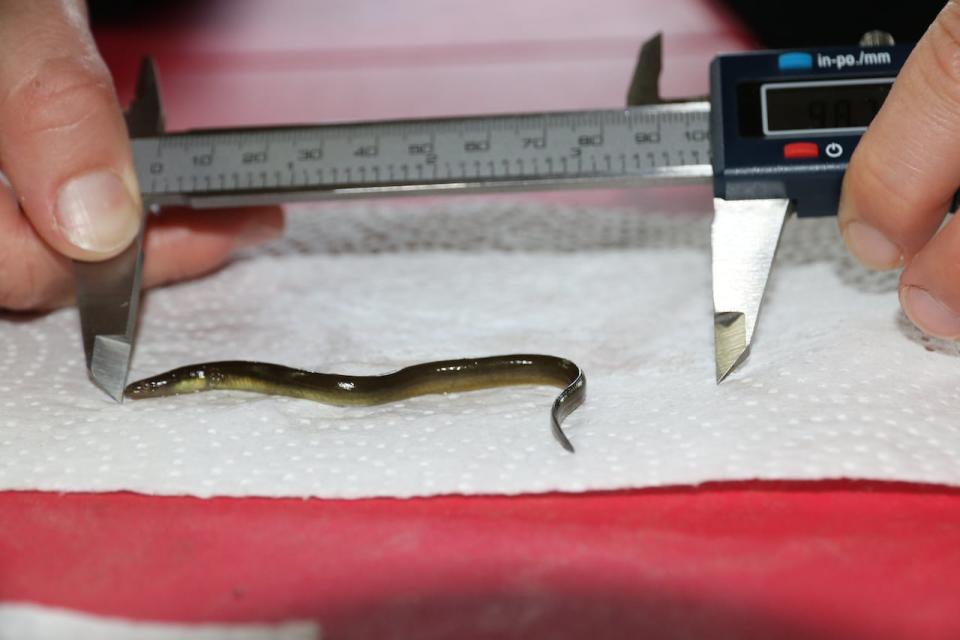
{"points": [[24, 621], [839, 383]]}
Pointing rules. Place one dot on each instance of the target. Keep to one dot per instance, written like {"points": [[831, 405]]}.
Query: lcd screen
{"points": [[831, 106]]}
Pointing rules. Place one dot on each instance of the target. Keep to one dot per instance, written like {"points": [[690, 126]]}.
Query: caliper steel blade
{"points": [[108, 294], [745, 237]]}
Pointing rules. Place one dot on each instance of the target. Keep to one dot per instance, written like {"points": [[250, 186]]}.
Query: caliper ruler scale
{"points": [[652, 142], [489, 153]]}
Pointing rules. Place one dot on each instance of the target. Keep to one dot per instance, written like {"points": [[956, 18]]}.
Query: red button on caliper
{"points": [[799, 150]]}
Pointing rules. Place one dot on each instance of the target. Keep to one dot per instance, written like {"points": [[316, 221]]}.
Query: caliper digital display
{"points": [[783, 124], [826, 106]]}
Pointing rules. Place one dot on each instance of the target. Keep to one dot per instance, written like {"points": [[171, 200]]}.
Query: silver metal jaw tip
{"points": [[110, 363], [730, 341], [744, 239], [108, 294]]}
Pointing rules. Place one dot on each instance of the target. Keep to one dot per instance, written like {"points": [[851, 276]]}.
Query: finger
{"points": [[33, 276], [182, 244], [63, 142], [907, 165], [929, 290]]}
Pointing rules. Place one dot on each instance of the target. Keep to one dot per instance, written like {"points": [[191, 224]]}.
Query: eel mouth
{"points": [[149, 388]]}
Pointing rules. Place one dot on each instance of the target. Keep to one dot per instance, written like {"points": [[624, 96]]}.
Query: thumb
{"points": [[906, 168], [63, 142]]}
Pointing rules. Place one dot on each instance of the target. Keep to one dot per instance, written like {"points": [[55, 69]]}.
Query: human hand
{"points": [[65, 150], [902, 177]]}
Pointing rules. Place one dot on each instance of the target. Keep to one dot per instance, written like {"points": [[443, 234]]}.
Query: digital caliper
{"points": [[775, 137]]}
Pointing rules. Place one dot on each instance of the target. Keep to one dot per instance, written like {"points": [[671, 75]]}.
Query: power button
{"points": [[800, 150], [833, 150]]}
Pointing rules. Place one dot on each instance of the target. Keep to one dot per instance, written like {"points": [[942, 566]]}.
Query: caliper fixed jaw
{"points": [[108, 295], [108, 292]]}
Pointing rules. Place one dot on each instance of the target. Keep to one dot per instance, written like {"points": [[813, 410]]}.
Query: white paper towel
{"points": [[28, 621], [839, 383]]}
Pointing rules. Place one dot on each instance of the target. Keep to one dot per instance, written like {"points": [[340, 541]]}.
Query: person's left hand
{"points": [[65, 150]]}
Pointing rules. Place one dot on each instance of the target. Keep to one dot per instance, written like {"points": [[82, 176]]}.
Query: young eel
{"points": [[444, 376]]}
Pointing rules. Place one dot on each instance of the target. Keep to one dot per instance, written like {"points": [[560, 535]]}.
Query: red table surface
{"points": [[757, 560], [752, 559]]}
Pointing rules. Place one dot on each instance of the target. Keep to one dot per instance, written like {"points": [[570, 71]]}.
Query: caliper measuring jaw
{"points": [[783, 125], [108, 292], [744, 241]]}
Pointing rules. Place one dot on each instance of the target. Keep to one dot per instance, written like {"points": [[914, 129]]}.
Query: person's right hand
{"points": [[65, 150], [902, 177]]}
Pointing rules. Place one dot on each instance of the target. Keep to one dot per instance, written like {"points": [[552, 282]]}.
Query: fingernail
{"points": [[930, 314], [96, 212], [871, 247]]}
